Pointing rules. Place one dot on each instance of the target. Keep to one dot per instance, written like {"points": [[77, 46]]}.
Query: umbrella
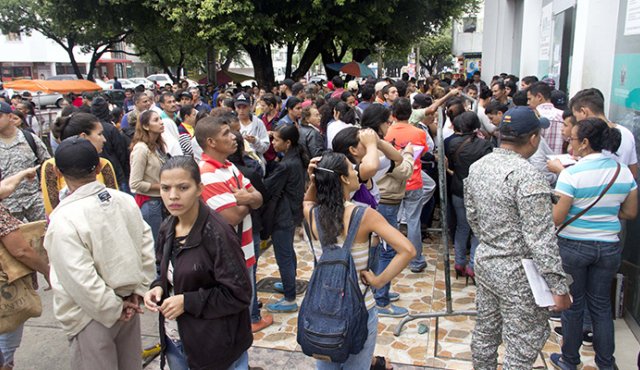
{"points": [[357, 69], [54, 86], [224, 77], [352, 68]]}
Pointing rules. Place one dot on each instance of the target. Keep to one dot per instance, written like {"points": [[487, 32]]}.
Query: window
{"points": [[469, 24]]}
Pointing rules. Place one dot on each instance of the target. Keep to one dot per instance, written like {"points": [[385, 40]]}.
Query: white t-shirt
{"points": [[626, 154]]}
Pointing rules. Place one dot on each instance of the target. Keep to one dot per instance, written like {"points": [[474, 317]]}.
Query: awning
{"points": [[54, 86], [107, 61]]}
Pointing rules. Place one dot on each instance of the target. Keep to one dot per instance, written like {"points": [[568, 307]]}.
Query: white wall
{"points": [[36, 48], [499, 29], [594, 46], [530, 38]]}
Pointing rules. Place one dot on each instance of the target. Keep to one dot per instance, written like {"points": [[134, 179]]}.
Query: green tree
{"points": [[94, 27], [435, 50]]}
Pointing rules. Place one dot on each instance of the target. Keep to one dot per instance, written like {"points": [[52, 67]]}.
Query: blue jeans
{"points": [[385, 252], [242, 363], [412, 204], [592, 265], [152, 214], [361, 360], [9, 343], [174, 353], [286, 258], [255, 311], [462, 233]]}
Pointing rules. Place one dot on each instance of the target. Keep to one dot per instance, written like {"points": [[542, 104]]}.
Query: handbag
{"points": [[577, 216], [18, 298]]}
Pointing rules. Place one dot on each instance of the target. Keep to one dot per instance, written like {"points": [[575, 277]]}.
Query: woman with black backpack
{"points": [[337, 223]]}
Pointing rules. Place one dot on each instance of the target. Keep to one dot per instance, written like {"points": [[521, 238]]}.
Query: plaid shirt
{"points": [[553, 134]]}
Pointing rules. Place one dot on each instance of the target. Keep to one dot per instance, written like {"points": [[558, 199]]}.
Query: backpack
{"points": [[332, 322]]}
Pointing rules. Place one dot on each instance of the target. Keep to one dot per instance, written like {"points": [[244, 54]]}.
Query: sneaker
{"points": [[264, 322], [418, 268], [587, 338], [278, 287], [558, 362], [282, 305], [392, 311], [558, 331], [394, 297], [555, 316]]}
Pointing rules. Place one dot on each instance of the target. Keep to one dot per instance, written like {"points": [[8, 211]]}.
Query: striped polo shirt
{"points": [[584, 182], [218, 180]]}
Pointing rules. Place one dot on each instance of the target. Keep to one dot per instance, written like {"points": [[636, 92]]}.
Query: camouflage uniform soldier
{"points": [[510, 211], [16, 155]]}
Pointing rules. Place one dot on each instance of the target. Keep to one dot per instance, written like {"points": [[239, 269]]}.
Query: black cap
{"points": [[422, 100], [5, 108], [522, 120], [289, 82], [186, 94], [76, 157], [242, 98], [26, 94]]}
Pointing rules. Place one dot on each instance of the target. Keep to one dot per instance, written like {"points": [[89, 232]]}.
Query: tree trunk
{"points": [[308, 57], [262, 64], [327, 57], [163, 63], [94, 60], [211, 66], [359, 55], [291, 46], [72, 59]]}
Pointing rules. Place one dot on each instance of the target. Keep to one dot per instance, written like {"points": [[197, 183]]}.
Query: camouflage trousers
{"points": [[507, 313]]}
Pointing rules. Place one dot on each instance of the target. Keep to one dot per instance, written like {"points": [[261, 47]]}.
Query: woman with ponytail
{"points": [[333, 178], [282, 213], [595, 194], [84, 125]]}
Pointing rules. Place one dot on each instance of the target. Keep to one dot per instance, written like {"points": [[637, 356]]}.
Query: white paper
{"points": [[565, 159], [541, 292], [632, 18], [417, 151]]}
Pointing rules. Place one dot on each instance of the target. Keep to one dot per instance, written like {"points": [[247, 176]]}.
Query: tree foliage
{"points": [[93, 27]]}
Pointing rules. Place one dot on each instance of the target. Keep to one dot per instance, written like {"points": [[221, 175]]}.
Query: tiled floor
{"points": [[420, 293]]}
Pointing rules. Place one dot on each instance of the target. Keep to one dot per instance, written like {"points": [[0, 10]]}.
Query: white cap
{"points": [[380, 85]]}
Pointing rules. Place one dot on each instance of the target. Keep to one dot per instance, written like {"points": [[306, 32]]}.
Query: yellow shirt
{"points": [[51, 183]]}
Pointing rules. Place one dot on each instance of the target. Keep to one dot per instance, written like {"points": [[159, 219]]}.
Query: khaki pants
{"points": [[97, 347]]}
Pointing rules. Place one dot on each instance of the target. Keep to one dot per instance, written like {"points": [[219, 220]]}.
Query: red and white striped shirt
{"points": [[218, 180]]}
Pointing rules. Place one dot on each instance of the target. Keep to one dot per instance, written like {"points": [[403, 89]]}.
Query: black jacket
{"points": [[462, 157], [312, 140], [116, 151], [286, 184], [211, 273]]}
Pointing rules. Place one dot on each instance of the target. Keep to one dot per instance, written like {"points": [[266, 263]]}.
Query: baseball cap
{"points": [[186, 94], [76, 156], [522, 120], [352, 85], [242, 98], [289, 82], [380, 85], [422, 100], [5, 108]]}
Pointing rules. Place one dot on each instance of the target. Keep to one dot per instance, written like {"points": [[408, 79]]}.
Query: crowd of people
{"points": [[164, 203]]}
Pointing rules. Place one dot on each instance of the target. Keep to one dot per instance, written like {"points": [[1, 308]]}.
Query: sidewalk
{"points": [[44, 346]]}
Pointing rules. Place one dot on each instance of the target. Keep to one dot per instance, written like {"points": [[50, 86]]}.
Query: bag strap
{"points": [[577, 216], [308, 229], [241, 224], [466, 141], [354, 224], [28, 136]]}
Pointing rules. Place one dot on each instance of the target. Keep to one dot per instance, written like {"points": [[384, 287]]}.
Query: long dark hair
{"points": [[237, 157], [466, 123], [330, 195], [345, 139], [142, 135], [600, 135], [291, 133], [75, 124], [374, 116]]}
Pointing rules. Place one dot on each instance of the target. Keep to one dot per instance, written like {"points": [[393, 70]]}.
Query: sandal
{"points": [[380, 363]]}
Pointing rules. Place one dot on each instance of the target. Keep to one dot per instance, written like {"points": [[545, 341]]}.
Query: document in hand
{"points": [[541, 292], [566, 159]]}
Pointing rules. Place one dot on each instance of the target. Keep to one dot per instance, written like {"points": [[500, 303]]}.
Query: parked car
{"points": [[126, 83], [148, 84], [43, 100], [66, 77], [116, 97], [163, 78], [318, 78]]}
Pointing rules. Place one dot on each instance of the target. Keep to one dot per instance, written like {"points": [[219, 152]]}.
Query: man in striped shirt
{"points": [[225, 189]]}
